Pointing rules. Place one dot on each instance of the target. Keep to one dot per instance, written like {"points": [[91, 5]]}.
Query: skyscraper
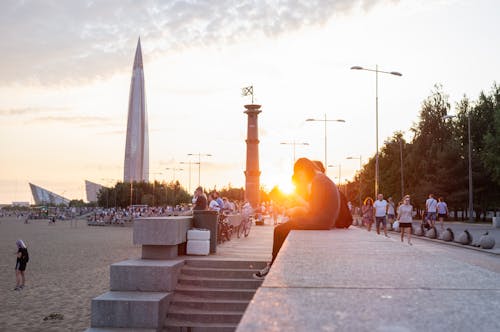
{"points": [[136, 167]]}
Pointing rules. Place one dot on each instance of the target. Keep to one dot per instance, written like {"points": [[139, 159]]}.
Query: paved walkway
{"points": [[256, 247], [352, 280]]}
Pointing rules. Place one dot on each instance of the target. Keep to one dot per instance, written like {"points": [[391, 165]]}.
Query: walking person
{"points": [[21, 261], [391, 211], [367, 212], [380, 206], [442, 210], [431, 208], [405, 218]]}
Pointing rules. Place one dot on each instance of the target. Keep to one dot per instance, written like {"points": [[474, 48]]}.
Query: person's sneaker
{"points": [[260, 275], [21, 287], [17, 288]]}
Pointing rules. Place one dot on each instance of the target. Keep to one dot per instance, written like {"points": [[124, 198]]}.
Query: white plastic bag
{"points": [[395, 225]]}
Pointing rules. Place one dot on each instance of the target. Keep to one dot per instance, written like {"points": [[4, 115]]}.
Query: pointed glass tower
{"points": [[136, 166]]}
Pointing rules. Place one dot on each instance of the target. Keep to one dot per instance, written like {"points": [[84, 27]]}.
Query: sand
{"points": [[68, 267]]}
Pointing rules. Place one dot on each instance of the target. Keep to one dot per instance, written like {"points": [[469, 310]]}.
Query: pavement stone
{"points": [[353, 280]]}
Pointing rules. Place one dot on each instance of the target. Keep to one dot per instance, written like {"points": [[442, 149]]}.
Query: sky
{"points": [[66, 69]]}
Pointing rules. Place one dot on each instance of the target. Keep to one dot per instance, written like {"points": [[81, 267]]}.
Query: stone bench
{"points": [[352, 280]]}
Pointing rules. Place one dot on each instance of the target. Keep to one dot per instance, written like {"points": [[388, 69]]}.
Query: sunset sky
{"points": [[66, 68]]}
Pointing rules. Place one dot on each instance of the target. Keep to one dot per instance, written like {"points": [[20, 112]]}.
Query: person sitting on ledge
{"points": [[200, 200], [320, 211]]}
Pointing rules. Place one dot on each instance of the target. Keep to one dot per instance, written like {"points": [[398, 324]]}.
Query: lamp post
{"points": [[199, 162], [189, 163], [360, 167], [293, 143], [325, 120], [340, 172], [376, 71], [174, 169], [471, 193]]}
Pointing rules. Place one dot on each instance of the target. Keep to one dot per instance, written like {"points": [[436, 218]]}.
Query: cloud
{"points": [[30, 110], [63, 42], [80, 120]]}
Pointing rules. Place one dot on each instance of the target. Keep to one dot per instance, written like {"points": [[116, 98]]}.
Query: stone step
{"points": [[209, 304], [218, 293], [129, 309], [204, 316], [209, 272], [229, 283], [226, 264], [175, 325]]}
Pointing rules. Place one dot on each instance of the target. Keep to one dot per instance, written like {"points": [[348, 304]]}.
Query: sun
{"points": [[286, 187]]}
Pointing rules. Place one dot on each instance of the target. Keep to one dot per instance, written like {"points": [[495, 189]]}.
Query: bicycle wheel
{"points": [[241, 228], [248, 225]]}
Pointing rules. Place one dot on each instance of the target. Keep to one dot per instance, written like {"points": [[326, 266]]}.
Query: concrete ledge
{"points": [[161, 230], [352, 280], [129, 309], [145, 275], [159, 252], [118, 329]]}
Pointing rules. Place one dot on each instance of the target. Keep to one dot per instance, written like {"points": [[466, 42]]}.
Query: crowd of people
{"points": [[383, 212]]}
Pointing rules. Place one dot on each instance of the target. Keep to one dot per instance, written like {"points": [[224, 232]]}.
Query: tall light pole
{"points": [[325, 120], [189, 163], [174, 169], [376, 71], [199, 163], [340, 172], [294, 144], [360, 167], [471, 193]]}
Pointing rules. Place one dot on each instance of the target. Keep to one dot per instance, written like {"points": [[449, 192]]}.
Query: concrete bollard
{"points": [[419, 231], [447, 235], [495, 222], [431, 233], [487, 241], [465, 238]]}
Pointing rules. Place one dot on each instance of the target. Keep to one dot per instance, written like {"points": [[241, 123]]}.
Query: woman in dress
{"points": [[368, 213], [21, 261], [405, 218], [391, 211]]}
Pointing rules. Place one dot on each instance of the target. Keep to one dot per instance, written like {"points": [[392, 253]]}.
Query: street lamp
{"points": [[360, 167], [189, 163], [173, 169], [395, 73], [199, 162], [325, 120], [471, 193], [293, 143], [340, 172]]}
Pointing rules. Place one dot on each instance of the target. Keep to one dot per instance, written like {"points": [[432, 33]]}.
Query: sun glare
{"points": [[286, 187]]}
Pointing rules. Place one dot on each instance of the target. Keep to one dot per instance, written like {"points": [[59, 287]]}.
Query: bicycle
{"points": [[224, 229], [245, 226]]}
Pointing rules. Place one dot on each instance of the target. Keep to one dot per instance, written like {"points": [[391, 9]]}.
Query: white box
{"points": [[198, 234], [198, 247]]}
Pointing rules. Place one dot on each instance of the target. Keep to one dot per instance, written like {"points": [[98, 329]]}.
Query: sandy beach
{"points": [[68, 267]]}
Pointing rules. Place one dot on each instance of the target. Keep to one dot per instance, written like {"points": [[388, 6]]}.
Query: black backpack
{"points": [[344, 218]]}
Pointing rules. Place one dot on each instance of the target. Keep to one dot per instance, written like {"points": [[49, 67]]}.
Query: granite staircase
{"points": [[212, 295]]}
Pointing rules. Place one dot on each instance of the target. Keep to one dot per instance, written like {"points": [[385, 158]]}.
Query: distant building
{"points": [[44, 196], [92, 189], [136, 166]]}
